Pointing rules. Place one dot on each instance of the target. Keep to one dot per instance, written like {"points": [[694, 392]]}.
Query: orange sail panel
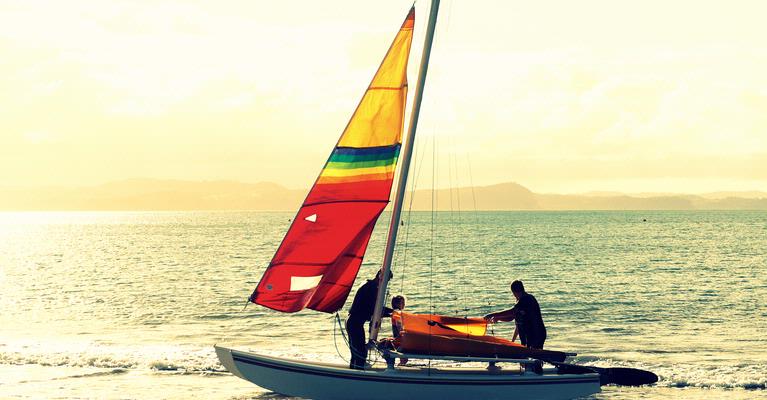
{"points": [[432, 324], [318, 260], [463, 337]]}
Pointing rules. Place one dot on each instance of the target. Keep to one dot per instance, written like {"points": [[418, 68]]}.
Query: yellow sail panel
{"points": [[469, 329], [327, 172], [379, 118], [431, 324], [392, 71], [357, 178], [377, 121]]}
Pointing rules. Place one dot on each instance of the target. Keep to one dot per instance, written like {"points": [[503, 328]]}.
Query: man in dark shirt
{"points": [[527, 314], [361, 312]]}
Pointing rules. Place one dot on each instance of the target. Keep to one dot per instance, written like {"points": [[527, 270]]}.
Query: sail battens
{"points": [[318, 260], [294, 263], [328, 191], [341, 175], [361, 164], [387, 87], [346, 201], [377, 152], [360, 168], [365, 179]]}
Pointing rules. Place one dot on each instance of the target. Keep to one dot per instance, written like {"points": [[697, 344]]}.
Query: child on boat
{"points": [[392, 343], [397, 305]]}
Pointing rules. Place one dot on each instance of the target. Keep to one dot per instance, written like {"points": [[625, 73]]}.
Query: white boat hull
{"points": [[328, 381]]}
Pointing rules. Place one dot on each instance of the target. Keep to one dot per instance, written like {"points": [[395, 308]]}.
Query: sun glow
{"points": [[574, 97]]}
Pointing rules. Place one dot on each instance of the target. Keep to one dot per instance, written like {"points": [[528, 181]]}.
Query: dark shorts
{"points": [[537, 343], [533, 341]]}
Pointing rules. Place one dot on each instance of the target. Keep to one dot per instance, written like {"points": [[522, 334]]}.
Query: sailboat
{"points": [[318, 260]]}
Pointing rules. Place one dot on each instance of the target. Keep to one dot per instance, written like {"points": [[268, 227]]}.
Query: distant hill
{"points": [[503, 196], [170, 195], [512, 196]]}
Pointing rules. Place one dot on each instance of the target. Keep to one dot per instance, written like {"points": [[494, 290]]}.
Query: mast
{"points": [[375, 323]]}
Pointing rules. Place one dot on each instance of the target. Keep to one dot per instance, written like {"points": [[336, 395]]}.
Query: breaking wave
{"points": [[707, 376], [117, 358]]}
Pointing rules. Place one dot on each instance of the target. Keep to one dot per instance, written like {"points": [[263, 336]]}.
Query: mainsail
{"points": [[318, 260]]}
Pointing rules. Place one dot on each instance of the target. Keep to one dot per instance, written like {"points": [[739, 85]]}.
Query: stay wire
{"points": [[483, 244], [366, 356], [434, 204], [434, 199], [451, 231], [405, 246], [462, 288]]}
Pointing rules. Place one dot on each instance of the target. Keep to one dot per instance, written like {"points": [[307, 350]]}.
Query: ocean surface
{"points": [[127, 305]]}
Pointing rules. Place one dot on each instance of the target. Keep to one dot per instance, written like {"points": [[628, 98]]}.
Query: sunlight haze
{"points": [[561, 97]]}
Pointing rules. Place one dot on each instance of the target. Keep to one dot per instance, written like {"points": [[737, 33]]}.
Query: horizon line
{"points": [[591, 192]]}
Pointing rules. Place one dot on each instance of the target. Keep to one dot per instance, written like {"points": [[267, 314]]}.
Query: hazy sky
{"points": [[558, 96]]}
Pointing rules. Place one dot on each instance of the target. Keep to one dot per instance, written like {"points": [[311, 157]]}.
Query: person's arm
{"points": [[386, 312], [506, 315], [514, 338]]}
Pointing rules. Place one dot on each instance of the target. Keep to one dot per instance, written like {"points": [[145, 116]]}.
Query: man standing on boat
{"points": [[527, 314], [361, 312]]}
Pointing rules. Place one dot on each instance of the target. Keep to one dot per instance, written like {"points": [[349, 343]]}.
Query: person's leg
{"points": [[537, 343], [356, 331], [523, 337]]}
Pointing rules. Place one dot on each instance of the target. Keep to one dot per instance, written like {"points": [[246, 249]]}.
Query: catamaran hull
{"points": [[326, 381]]}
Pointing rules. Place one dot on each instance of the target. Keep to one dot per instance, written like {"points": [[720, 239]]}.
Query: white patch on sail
{"points": [[304, 282], [311, 218]]}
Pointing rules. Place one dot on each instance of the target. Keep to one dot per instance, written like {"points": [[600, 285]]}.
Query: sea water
{"points": [[123, 305]]}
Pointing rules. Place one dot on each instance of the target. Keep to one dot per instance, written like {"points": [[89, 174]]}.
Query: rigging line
{"points": [[464, 259], [452, 228], [436, 78], [431, 255], [483, 244], [346, 340], [401, 249], [462, 288], [365, 355], [449, 13], [395, 264], [434, 198], [413, 186], [471, 185], [461, 230], [459, 238], [418, 169], [335, 343]]}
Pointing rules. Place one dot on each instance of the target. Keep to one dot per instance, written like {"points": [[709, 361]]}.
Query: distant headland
{"points": [[178, 195]]}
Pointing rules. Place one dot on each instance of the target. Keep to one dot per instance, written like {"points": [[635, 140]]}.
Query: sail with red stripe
{"points": [[318, 260]]}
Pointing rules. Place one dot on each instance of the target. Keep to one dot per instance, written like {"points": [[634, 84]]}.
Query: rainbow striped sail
{"points": [[318, 260]]}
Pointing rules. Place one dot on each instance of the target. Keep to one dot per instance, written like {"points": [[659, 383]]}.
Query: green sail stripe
{"points": [[360, 164], [345, 158]]}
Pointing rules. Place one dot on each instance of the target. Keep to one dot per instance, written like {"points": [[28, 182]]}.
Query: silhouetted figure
{"points": [[361, 312], [527, 315]]}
